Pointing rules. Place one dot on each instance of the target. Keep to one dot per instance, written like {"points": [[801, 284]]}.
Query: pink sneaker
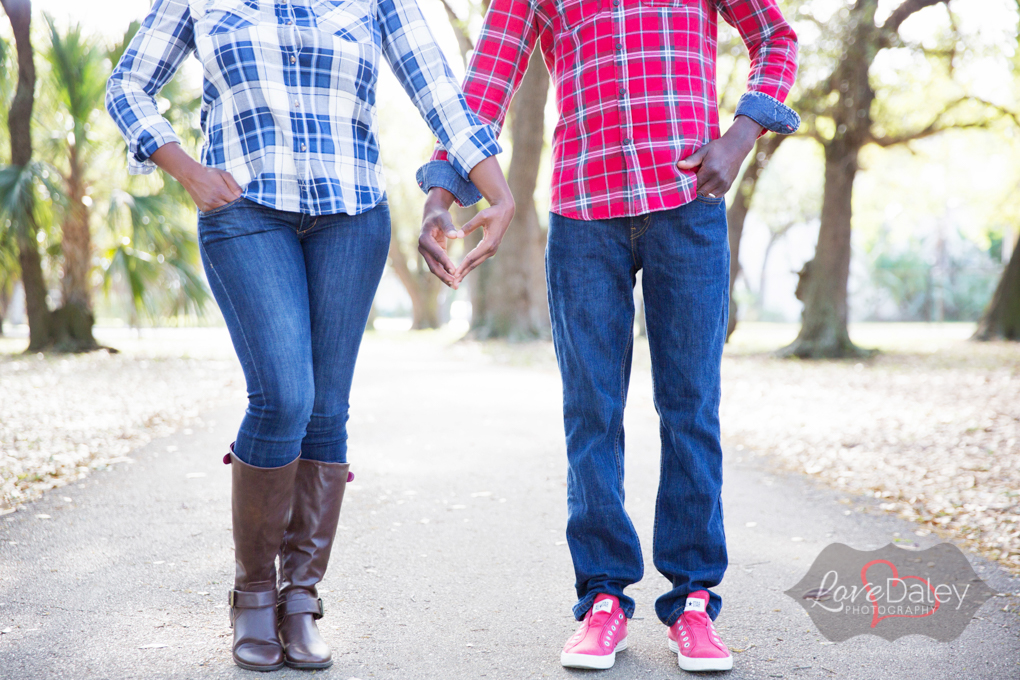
{"points": [[602, 634], [693, 638]]}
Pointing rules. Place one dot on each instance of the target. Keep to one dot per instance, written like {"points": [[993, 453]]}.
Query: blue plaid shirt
{"points": [[288, 104]]}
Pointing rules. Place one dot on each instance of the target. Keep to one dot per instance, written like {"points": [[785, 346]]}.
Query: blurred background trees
{"points": [[894, 202], [99, 230]]}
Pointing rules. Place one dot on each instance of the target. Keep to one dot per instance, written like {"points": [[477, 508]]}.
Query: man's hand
{"points": [[436, 227], [718, 162]]}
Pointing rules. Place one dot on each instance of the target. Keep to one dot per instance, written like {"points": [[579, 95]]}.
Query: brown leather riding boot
{"points": [[261, 508], [318, 494]]}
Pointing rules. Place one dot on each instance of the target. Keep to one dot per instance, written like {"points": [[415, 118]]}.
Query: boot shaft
{"points": [[261, 508], [308, 540]]}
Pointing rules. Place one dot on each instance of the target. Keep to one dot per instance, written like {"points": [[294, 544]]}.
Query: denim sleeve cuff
{"points": [[442, 174], [146, 144], [768, 112]]}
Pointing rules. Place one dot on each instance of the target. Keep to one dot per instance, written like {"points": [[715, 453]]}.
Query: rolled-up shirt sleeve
{"points": [[772, 45], [419, 64], [164, 41], [498, 63]]}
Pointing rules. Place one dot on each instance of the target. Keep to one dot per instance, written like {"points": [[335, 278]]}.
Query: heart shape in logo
{"points": [[875, 618]]}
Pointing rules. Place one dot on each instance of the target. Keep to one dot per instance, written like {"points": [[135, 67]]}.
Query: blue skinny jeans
{"points": [[296, 292]]}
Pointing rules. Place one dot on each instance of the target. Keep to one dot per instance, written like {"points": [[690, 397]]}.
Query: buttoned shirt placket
{"points": [[291, 44], [634, 189]]}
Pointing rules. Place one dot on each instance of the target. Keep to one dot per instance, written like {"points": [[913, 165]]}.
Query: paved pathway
{"points": [[450, 561]]}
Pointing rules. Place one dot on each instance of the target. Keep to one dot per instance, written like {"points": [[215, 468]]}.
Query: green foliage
{"points": [[153, 256], [145, 246], [931, 279], [27, 196]]}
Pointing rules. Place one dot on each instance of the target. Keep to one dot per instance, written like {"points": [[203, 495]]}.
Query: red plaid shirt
{"points": [[635, 88]]}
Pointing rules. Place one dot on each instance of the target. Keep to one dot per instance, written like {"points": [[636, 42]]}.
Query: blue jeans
{"points": [[591, 268], [295, 292]]}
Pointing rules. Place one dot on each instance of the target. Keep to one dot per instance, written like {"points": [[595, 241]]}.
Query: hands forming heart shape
{"points": [[438, 229], [437, 226]]}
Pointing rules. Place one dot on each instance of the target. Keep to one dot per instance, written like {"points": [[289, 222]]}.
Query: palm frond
{"points": [[21, 188], [79, 72], [156, 256]]}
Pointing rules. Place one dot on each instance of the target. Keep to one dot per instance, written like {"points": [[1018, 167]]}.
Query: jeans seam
{"points": [[244, 336], [302, 232], [675, 614], [642, 229], [623, 404]]}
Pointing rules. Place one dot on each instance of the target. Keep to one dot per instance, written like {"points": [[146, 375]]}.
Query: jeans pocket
{"points": [[708, 200], [221, 208]]}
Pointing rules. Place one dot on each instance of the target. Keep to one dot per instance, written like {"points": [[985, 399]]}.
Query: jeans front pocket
{"points": [[220, 208]]}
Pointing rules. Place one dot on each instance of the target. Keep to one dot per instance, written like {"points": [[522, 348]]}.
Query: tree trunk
{"points": [[823, 332], [514, 288], [423, 290], [737, 212], [75, 316], [40, 319], [19, 123], [1002, 318], [5, 302]]}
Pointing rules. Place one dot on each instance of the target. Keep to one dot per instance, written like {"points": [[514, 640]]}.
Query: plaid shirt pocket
{"points": [[352, 20]]}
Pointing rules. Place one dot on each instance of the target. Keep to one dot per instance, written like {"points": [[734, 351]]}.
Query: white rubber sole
{"points": [[591, 661], [707, 664]]}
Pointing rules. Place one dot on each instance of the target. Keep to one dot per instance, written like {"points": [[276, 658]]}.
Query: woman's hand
{"points": [[208, 187], [494, 221], [211, 188]]}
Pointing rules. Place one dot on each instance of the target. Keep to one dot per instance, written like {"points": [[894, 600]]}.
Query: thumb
{"points": [[694, 160], [445, 222], [479, 220], [231, 183]]}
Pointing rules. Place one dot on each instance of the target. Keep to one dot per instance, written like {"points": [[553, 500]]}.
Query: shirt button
{"points": [[293, 59], [616, 3], [303, 147], [619, 46], [289, 22], [627, 141], [297, 104], [623, 90]]}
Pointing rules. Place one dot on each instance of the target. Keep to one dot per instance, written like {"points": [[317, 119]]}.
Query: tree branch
{"points": [[460, 29], [905, 10], [936, 127]]}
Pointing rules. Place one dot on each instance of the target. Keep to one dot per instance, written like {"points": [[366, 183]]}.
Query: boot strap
{"points": [[240, 599], [302, 605]]}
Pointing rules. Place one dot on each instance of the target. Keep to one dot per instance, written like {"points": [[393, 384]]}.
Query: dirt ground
{"points": [[930, 425]]}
